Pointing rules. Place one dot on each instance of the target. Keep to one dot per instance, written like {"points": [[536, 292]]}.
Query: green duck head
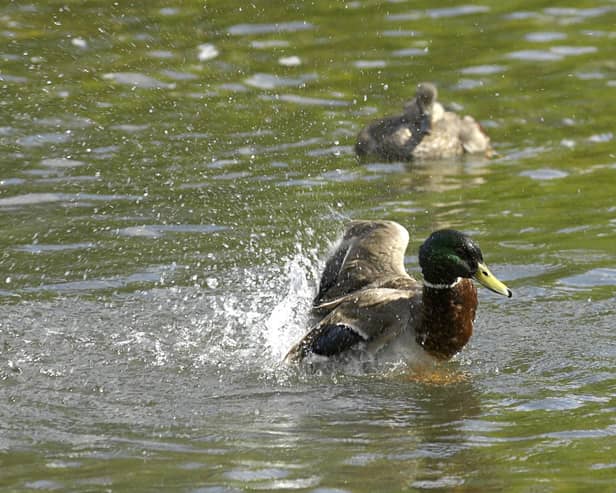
{"points": [[448, 254]]}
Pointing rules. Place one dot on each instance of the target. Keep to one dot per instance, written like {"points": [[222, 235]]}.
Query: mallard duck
{"points": [[368, 301], [394, 138], [424, 131]]}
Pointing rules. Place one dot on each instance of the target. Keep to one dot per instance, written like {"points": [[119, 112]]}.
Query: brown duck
{"points": [[368, 301], [424, 131]]}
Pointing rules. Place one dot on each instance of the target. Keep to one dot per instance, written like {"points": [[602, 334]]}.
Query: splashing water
{"points": [[252, 326], [289, 317]]}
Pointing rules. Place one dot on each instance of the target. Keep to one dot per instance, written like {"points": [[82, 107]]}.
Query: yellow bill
{"points": [[486, 278]]}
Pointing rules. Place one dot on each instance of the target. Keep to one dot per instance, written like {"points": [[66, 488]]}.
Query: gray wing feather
{"points": [[371, 253]]}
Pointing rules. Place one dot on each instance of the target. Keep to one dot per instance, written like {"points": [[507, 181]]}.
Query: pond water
{"points": [[172, 175]]}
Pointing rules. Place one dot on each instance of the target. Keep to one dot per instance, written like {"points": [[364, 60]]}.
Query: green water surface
{"points": [[173, 173]]}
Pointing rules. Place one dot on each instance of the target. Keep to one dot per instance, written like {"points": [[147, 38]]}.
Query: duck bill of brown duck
{"points": [[489, 280]]}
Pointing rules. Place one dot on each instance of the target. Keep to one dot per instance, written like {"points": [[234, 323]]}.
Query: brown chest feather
{"points": [[447, 319]]}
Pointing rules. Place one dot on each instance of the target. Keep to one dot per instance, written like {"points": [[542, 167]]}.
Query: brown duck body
{"points": [[423, 134], [452, 136], [368, 301]]}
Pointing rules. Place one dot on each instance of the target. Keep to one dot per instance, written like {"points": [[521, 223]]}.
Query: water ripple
{"points": [[544, 37], [594, 277], [440, 13], [269, 43], [576, 12], [250, 29], [573, 50], [45, 198], [41, 139], [604, 137], [138, 80], [14, 79], [366, 64], [12, 181], [272, 81], [410, 52], [534, 55], [457, 11], [153, 274], [484, 70], [62, 163], [256, 474], [42, 248], [399, 33], [305, 100], [156, 231], [544, 174], [290, 61]]}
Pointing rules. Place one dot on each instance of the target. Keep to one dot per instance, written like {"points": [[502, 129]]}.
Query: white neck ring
{"points": [[442, 286]]}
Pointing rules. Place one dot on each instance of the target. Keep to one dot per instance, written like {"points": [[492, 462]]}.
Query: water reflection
{"points": [[434, 175]]}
